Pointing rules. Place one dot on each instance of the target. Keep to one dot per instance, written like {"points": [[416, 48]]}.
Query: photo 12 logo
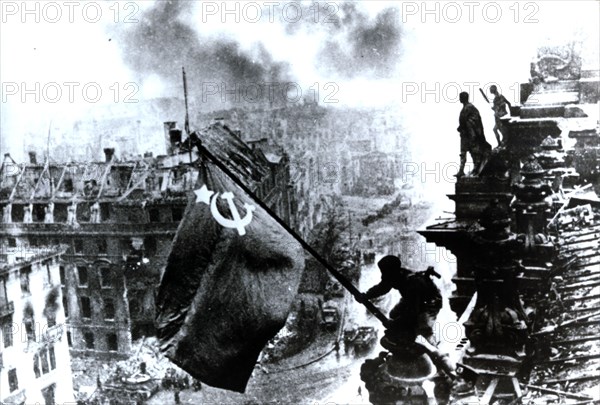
{"points": [[469, 11], [269, 92], [68, 11], [71, 92], [449, 92], [272, 11]]}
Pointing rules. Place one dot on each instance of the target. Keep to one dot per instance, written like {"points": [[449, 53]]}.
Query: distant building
{"points": [[118, 219], [35, 365]]}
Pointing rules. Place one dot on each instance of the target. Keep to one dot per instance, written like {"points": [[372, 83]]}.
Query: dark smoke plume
{"points": [[161, 44], [365, 47], [357, 45]]}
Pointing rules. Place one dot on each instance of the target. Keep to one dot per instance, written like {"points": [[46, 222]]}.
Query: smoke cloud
{"points": [[365, 48], [341, 42], [162, 43]]}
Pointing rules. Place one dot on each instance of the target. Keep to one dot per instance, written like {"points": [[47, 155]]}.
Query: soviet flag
{"points": [[231, 277]]}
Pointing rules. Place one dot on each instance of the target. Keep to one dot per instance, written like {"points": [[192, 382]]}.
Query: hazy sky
{"points": [[364, 53]]}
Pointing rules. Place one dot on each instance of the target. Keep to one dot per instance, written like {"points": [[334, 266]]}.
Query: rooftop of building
{"points": [[120, 180], [19, 257]]}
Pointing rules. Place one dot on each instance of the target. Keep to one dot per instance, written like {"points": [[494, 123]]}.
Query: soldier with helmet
{"points": [[420, 303]]}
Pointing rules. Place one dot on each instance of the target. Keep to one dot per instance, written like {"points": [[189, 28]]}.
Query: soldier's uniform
{"points": [[500, 110], [421, 299], [472, 138]]}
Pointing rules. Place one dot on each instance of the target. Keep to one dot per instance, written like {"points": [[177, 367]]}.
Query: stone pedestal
{"points": [[497, 324]]}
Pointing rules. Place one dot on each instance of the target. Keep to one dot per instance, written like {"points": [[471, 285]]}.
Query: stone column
{"points": [[497, 324]]}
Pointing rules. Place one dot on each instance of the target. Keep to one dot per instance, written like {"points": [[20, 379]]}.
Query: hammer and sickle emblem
{"points": [[210, 198]]}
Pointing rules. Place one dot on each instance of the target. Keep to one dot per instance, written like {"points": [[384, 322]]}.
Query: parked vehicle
{"points": [[365, 339], [349, 336], [137, 387], [330, 316]]}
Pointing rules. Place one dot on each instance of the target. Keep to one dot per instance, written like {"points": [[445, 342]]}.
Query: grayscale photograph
{"points": [[299, 202]]}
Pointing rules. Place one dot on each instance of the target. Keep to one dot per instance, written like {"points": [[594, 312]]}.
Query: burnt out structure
{"points": [[35, 365], [118, 219], [525, 238]]}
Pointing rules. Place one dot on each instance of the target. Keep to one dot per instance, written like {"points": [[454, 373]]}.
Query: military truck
{"points": [[330, 316], [365, 339], [349, 336]]}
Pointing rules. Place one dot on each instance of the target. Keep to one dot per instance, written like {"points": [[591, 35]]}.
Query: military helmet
{"points": [[389, 264]]}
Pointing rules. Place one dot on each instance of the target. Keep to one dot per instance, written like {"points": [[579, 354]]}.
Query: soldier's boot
{"points": [[461, 169], [497, 134]]}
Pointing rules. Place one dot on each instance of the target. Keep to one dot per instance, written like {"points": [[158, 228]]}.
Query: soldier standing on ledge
{"points": [[500, 104], [472, 138]]}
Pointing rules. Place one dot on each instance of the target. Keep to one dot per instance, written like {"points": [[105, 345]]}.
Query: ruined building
{"points": [[117, 220], [35, 365], [525, 236]]}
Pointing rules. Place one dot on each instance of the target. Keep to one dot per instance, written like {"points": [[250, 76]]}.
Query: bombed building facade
{"points": [[35, 365], [343, 151], [117, 220]]}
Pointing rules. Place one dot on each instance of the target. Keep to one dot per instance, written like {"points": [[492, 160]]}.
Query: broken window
{"points": [[134, 308], [17, 213], [29, 322], [176, 214], [44, 359], [150, 245], [12, 242], [102, 246], [109, 309], [83, 212], [13, 382], [68, 185], [106, 277], [65, 306], [82, 272], [61, 273], [89, 340], [86, 309], [7, 330], [46, 264], [39, 212], [105, 211], [24, 277], [124, 178], [36, 365], [3, 296], [112, 343], [78, 246], [60, 213], [52, 357], [51, 317], [154, 215]]}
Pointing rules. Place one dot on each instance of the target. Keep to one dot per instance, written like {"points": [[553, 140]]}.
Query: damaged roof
{"points": [[122, 180]]}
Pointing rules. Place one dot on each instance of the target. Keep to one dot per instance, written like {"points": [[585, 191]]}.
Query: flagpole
{"points": [[187, 115], [338, 276]]}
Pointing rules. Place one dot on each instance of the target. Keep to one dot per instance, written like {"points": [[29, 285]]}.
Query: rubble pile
{"points": [[569, 371]]}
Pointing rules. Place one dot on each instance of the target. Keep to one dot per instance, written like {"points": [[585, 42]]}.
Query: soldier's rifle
{"points": [[484, 96]]}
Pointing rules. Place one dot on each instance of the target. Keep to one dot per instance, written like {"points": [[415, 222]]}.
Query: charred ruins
{"points": [[525, 236], [524, 233]]}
